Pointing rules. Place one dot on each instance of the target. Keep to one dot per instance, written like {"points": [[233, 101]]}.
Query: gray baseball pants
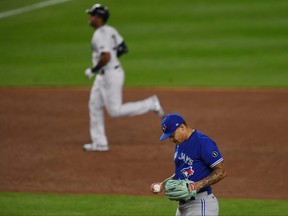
{"points": [[203, 205]]}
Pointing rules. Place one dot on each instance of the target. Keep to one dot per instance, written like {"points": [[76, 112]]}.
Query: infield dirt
{"points": [[42, 132]]}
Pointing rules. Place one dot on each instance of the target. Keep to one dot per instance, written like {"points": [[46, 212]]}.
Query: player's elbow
{"points": [[223, 172], [122, 49], [105, 57]]}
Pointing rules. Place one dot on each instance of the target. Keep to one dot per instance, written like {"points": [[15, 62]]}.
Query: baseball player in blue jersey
{"points": [[198, 165], [107, 46]]}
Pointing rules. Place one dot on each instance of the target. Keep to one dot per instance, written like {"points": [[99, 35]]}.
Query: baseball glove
{"points": [[180, 189]]}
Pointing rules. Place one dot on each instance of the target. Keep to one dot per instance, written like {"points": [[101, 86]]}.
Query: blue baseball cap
{"points": [[169, 125]]}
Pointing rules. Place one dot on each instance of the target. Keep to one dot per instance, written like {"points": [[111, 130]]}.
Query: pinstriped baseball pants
{"points": [[107, 93], [203, 205]]}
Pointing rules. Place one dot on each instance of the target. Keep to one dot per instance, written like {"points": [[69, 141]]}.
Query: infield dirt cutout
{"points": [[42, 132]]}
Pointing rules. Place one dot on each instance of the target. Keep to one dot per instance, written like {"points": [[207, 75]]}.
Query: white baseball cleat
{"points": [[158, 108], [95, 147]]}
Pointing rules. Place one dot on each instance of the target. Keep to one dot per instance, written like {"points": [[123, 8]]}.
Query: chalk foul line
{"points": [[31, 7]]}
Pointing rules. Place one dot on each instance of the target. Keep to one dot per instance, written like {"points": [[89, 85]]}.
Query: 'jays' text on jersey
{"points": [[195, 158]]}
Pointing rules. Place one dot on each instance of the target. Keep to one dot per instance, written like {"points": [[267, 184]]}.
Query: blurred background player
{"points": [[107, 46]]}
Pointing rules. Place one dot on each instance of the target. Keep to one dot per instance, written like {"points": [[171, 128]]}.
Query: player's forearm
{"points": [[217, 175], [171, 177], [104, 59], [164, 181]]}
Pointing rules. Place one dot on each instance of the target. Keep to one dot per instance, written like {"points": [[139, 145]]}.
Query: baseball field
{"points": [[221, 64]]}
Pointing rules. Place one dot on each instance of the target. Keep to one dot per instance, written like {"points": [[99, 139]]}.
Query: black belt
{"points": [[182, 202], [102, 71]]}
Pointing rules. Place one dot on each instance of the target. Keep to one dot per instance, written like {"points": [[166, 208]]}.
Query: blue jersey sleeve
{"points": [[210, 153]]}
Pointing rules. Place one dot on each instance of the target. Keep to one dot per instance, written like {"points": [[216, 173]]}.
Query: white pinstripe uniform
{"points": [[107, 89]]}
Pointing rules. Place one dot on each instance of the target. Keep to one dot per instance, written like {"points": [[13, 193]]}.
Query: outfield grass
{"points": [[207, 43], [104, 205], [239, 43]]}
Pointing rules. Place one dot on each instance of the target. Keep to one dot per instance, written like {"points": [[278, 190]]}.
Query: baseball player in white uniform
{"points": [[107, 46]]}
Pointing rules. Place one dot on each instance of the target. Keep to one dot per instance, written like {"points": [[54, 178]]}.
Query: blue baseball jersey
{"points": [[195, 158]]}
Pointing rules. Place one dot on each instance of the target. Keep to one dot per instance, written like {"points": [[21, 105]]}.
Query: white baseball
{"points": [[157, 188]]}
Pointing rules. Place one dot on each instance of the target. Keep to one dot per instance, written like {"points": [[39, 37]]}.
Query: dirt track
{"points": [[42, 132]]}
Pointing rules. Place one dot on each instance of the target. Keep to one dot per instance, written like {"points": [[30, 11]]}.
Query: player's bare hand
{"points": [[89, 73], [156, 188]]}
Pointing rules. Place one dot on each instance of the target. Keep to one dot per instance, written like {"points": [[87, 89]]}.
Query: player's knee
{"points": [[114, 112]]}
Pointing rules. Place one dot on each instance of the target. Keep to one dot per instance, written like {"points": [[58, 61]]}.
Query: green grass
{"points": [[6, 5], [13, 204], [206, 43]]}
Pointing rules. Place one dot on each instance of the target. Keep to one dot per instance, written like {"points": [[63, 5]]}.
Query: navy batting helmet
{"points": [[99, 11]]}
